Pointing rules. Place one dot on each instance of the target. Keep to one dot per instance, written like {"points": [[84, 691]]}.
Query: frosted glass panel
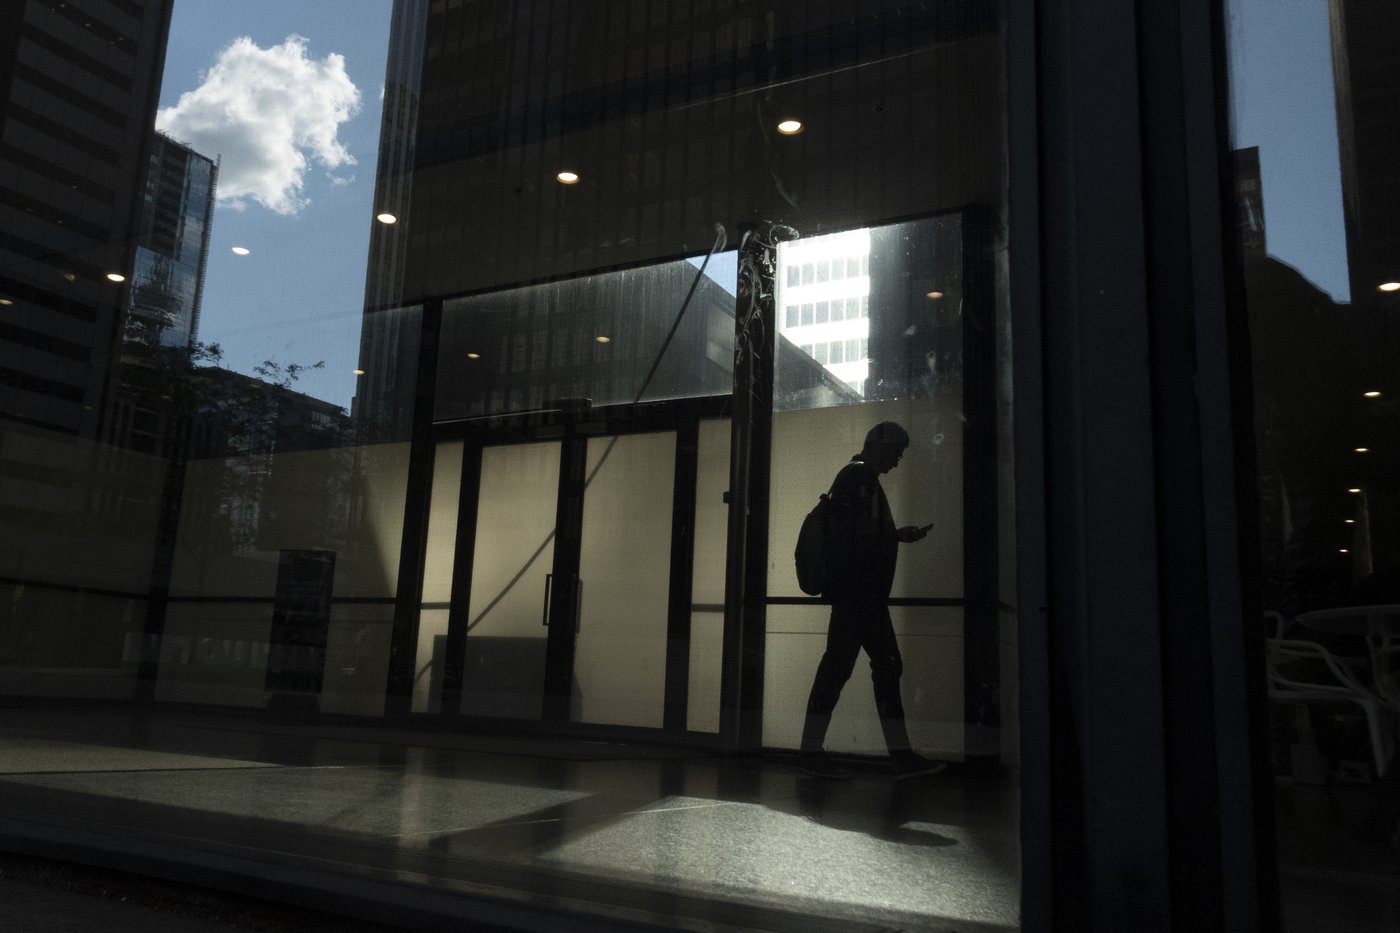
{"points": [[620, 654], [811, 446], [442, 523], [514, 550], [930, 640], [707, 591], [430, 662]]}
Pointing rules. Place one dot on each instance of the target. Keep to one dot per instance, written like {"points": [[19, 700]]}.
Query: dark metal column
{"points": [[682, 575], [463, 556], [565, 586], [746, 576], [981, 614], [403, 644]]}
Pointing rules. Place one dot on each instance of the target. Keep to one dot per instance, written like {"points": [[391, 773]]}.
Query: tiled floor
{"points": [[675, 839]]}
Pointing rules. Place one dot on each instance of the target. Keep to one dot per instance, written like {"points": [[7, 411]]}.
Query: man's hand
{"points": [[912, 533]]}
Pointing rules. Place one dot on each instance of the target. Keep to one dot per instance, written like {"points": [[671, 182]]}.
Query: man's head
{"points": [[884, 445]]}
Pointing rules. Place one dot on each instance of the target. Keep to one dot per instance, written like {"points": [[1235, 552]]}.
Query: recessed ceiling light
{"points": [[790, 127], [601, 339], [1363, 450], [1372, 394], [70, 277], [1349, 521], [241, 251], [1354, 490], [1389, 286], [359, 372], [6, 301], [567, 178], [115, 277], [935, 294], [1343, 551], [473, 356], [386, 218]]}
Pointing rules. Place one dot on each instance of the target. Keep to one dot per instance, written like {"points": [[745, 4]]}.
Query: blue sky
{"points": [[297, 296], [1281, 70]]}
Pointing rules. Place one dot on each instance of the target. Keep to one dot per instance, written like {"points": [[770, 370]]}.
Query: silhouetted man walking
{"points": [[862, 546]]}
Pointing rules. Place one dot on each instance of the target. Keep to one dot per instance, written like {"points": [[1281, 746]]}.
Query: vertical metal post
{"points": [[981, 616], [682, 575], [463, 558], [746, 576], [403, 643]]}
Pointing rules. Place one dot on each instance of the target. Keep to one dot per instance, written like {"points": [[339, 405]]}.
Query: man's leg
{"points": [[839, 659], [886, 666]]}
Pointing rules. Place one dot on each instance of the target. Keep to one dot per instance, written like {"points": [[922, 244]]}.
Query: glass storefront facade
{"points": [[432, 392]]}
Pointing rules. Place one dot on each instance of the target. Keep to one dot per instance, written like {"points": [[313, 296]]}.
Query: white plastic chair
{"points": [[1340, 685]]}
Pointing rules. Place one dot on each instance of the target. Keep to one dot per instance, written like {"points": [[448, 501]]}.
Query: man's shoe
{"points": [[910, 766], [820, 765]]}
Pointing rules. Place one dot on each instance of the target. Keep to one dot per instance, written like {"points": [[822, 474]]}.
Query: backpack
{"points": [[810, 555]]}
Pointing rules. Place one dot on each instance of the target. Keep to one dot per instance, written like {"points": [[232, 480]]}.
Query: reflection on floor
{"points": [[677, 839], [1331, 881]]}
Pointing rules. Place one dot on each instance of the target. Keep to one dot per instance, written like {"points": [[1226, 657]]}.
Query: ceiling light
{"points": [[473, 356], [935, 294], [1372, 394], [386, 218], [602, 339], [115, 277], [790, 127], [359, 372], [1363, 450], [1389, 286], [1354, 490], [1349, 521], [6, 301], [567, 178], [70, 277], [241, 251], [1343, 551]]}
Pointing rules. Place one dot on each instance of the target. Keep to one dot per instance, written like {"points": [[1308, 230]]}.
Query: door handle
{"points": [[548, 584], [578, 602]]}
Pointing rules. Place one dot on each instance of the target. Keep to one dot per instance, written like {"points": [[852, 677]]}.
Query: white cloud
{"points": [[268, 113]]}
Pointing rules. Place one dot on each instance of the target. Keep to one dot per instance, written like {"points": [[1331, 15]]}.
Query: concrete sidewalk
{"points": [[422, 829]]}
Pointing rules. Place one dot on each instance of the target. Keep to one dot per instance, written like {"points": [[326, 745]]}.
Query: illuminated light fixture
{"points": [[790, 127], [1389, 286], [115, 277], [473, 356], [935, 295], [386, 218], [70, 277], [567, 178], [1343, 551], [1354, 490], [1372, 394], [1363, 450], [601, 339], [1349, 521], [359, 372], [6, 301], [241, 251]]}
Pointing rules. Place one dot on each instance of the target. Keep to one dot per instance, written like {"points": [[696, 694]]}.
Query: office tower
{"points": [[80, 81], [172, 245]]}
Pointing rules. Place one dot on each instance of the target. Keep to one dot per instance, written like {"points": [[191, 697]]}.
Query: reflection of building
{"points": [[172, 244], [80, 84], [1365, 36], [824, 302]]}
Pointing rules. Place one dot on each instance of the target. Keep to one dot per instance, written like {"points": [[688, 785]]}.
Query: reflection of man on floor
{"points": [[862, 545]]}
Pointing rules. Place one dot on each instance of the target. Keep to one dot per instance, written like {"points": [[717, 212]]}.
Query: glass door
{"points": [[624, 561], [512, 563]]}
